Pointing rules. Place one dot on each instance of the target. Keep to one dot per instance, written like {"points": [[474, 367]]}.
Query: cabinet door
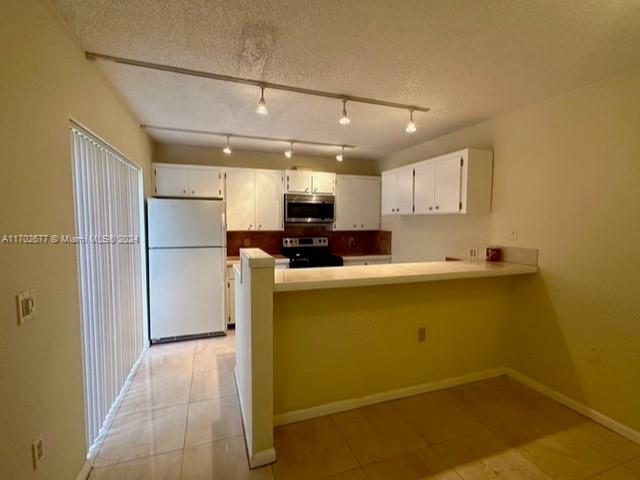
{"points": [[389, 193], [447, 185], [369, 203], [231, 297], [205, 183], [424, 188], [171, 182], [269, 200], [404, 191], [240, 199], [323, 183], [298, 181], [347, 203]]}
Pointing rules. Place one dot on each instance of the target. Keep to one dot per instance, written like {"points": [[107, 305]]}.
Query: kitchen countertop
{"points": [[388, 274], [282, 259]]}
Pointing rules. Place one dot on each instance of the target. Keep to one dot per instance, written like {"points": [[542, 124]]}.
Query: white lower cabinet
{"points": [[357, 203], [255, 199]]}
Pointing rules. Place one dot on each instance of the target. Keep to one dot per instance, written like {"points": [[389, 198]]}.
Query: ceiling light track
{"points": [[228, 136], [247, 81]]}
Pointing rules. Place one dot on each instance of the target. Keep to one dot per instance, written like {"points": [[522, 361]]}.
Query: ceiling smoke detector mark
{"points": [[258, 45]]}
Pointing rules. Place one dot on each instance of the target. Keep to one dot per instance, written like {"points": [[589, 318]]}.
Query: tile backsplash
{"points": [[341, 243]]}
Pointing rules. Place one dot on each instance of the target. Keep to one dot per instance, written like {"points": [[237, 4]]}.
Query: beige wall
{"points": [[566, 176], [45, 79], [214, 156]]}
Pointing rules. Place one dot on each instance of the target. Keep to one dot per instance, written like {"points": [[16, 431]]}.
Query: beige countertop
{"points": [[387, 274]]}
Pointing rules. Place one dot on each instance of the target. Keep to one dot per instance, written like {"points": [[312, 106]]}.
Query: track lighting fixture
{"points": [[411, 126], [344, 119], [227, 149], [340, 156], [289, 153], [262, 105]]}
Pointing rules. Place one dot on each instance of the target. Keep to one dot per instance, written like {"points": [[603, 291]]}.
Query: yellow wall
{"points": [[276, 161], [45, 79], [566, 176], [338, 344]]}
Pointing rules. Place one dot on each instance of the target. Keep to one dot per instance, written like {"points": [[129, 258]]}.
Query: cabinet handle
{"points": [[306, 189], [193, 191], [259, 227], [430, 208], [437, 207], [251, 225], [354, 225], [362, 225]]}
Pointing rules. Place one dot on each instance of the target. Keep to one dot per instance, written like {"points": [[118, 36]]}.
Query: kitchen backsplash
{"points": [[340, 243]]}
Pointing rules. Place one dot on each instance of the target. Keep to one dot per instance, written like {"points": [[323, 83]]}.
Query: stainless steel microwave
{"points": [[309, 209]]}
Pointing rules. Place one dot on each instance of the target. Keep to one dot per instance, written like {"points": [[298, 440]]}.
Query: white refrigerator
{"points": [[187, 260]]}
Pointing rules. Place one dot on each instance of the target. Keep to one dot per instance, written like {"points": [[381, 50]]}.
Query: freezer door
{"points": [[186, 291], [185, 223]]}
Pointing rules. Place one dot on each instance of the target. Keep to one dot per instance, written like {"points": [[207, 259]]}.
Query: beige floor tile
{"points": [[485, 404], [377, 432], [216, 342], [608, 442], [156, 391], [187, 347], [311, 449], [566, 418], [558, 452], [221, 460], [423, 464], [519, 393], [141, 434], [355, 474], [617, 473], [212, 420], [208, 384], [158, 365], [436, 417], [215, 359], [165, 466], [484, 456]]}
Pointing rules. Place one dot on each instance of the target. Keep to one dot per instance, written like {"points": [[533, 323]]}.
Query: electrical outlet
{"points": [[422, 334], [26, 304], [37, 451], [513, 235], [246, 242]]}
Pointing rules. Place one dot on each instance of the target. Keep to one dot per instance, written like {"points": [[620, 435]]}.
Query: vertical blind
{"points": [[108, 202]]}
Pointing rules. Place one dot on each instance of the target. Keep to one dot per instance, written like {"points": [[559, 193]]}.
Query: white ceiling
{"points": [[467, 60]]}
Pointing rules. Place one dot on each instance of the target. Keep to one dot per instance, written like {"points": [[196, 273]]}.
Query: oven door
{"points": [[308, 209]]}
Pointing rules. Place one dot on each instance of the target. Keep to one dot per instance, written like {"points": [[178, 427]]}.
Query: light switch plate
{"points": [[26, 305]]}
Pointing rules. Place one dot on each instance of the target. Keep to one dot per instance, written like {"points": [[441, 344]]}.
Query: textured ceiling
{"points": [[467, 60]]}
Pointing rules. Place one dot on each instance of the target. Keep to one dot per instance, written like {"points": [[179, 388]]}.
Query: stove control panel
{"points": [[297, 242]]}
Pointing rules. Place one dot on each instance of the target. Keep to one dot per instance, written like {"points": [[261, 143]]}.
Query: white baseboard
{"points": [[349, 404], [85, 471], [264, 457], [588, 412]]}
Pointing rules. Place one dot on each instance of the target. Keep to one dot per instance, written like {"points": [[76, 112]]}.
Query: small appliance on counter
{"points": [[187, 261], [309, 252]]}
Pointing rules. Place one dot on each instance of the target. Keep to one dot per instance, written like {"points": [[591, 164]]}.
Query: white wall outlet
{"points": [[26, 304], [514, 234], [37, 451]]}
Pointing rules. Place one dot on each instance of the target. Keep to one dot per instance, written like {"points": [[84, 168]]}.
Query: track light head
{"points": [[289, 153], [262, 105], [340, 156], [227, 148], [344, 119], [411, 126]]}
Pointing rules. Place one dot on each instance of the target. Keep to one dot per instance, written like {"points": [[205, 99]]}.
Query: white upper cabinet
{"points": [[397, 191], [269, 199], [357, 203], [459, 182], [240, 199], [310, 183], [255, 199], [187, 181]]}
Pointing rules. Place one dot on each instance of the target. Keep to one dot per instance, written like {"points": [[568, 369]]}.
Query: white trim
{"points": [[594, 415], [349, 404], [85, 470], [264, 457]]}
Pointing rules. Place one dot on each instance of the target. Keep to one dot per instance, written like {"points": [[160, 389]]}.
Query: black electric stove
{"points": [[308, 252]]}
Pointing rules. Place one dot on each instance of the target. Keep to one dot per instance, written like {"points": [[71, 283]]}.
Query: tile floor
{"points": [[180, 420]]}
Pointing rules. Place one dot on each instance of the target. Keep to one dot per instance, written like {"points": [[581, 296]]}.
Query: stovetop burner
{"points": [[307, 252]]}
